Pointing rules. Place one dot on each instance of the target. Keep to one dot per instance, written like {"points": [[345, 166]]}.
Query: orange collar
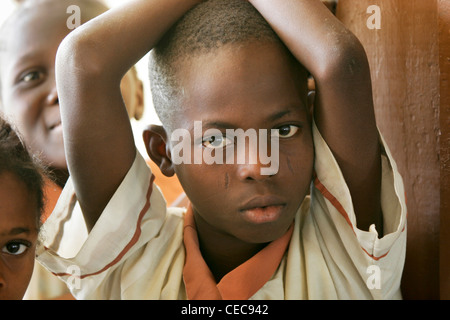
{"points": [[240, 283]]}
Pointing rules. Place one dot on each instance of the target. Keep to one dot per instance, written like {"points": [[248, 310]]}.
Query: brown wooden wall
{"points": [[410, 57], [444, 62]]}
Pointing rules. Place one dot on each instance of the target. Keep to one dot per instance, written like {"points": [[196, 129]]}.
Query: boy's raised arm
{"points": [[90, 64], [343, 108]]}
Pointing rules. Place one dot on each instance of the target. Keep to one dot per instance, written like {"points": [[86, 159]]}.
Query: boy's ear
{"points": [[155, 138]]}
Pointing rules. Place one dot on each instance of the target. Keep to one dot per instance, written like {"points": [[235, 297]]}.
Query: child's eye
{"points": [[31, 76], [15, 247], [216, 141], [287, 131]]}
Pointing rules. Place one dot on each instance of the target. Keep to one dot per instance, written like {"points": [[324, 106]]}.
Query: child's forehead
{"points": [[30, 17], [50, 13], [231, 55], [31, 32], [255, 65], [258, 78], [41, 22]]}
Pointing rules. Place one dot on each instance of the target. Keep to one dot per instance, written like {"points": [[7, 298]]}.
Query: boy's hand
{"points": [[343, 108], [90, 64]]}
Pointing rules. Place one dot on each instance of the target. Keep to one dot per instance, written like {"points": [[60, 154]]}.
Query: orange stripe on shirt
{"points": [[335, 203], [133, 240], [374, 257]]}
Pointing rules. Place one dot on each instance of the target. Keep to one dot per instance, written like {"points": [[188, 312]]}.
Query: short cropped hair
{"points": [[15, 158], [206, 27]]}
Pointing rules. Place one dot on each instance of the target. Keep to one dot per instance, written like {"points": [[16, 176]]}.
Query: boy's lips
{"points": [[263, 209]]}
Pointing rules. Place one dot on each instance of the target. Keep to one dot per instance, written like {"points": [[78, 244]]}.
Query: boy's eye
{"points": [[216, 141], [31, 76], [15, 247], [287, 131]]}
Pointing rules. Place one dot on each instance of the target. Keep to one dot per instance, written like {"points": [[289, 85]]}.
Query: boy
{"points": [[29, 41], [245, 234]]}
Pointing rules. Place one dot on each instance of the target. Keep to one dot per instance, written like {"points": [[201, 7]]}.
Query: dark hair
{"points": [[208, 26], [16, 159]]}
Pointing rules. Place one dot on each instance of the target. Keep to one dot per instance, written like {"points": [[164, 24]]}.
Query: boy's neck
{"points": [[223, 252]]}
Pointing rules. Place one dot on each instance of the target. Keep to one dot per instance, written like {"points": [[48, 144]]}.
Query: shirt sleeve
{"points": [[377, 261], [83, 261]]}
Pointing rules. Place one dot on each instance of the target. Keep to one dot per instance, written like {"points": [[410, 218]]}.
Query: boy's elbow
{"points": [[76, 59], [346, 58]]}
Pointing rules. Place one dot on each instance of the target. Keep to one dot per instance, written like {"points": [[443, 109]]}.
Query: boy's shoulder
{"points": [[138, 196]]}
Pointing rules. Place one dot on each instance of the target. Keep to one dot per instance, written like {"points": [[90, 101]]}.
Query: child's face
{"points": [[249, 87], [18, 236], [28, 78]]}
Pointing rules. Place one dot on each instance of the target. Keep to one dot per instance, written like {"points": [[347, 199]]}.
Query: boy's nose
{"points": [[251, 171], [52, 97], [251, 168]]}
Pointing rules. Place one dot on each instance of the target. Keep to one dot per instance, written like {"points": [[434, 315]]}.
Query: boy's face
{"points": [[18, 237], [28, 78], [247, 87]]}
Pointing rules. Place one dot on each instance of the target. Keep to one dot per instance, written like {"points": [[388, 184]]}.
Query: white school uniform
{"points": [[136, 249]]}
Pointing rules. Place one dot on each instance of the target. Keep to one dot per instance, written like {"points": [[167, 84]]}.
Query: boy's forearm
{"points": [[90, 64], [316, 38], [113, 42], [343, 108]]}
